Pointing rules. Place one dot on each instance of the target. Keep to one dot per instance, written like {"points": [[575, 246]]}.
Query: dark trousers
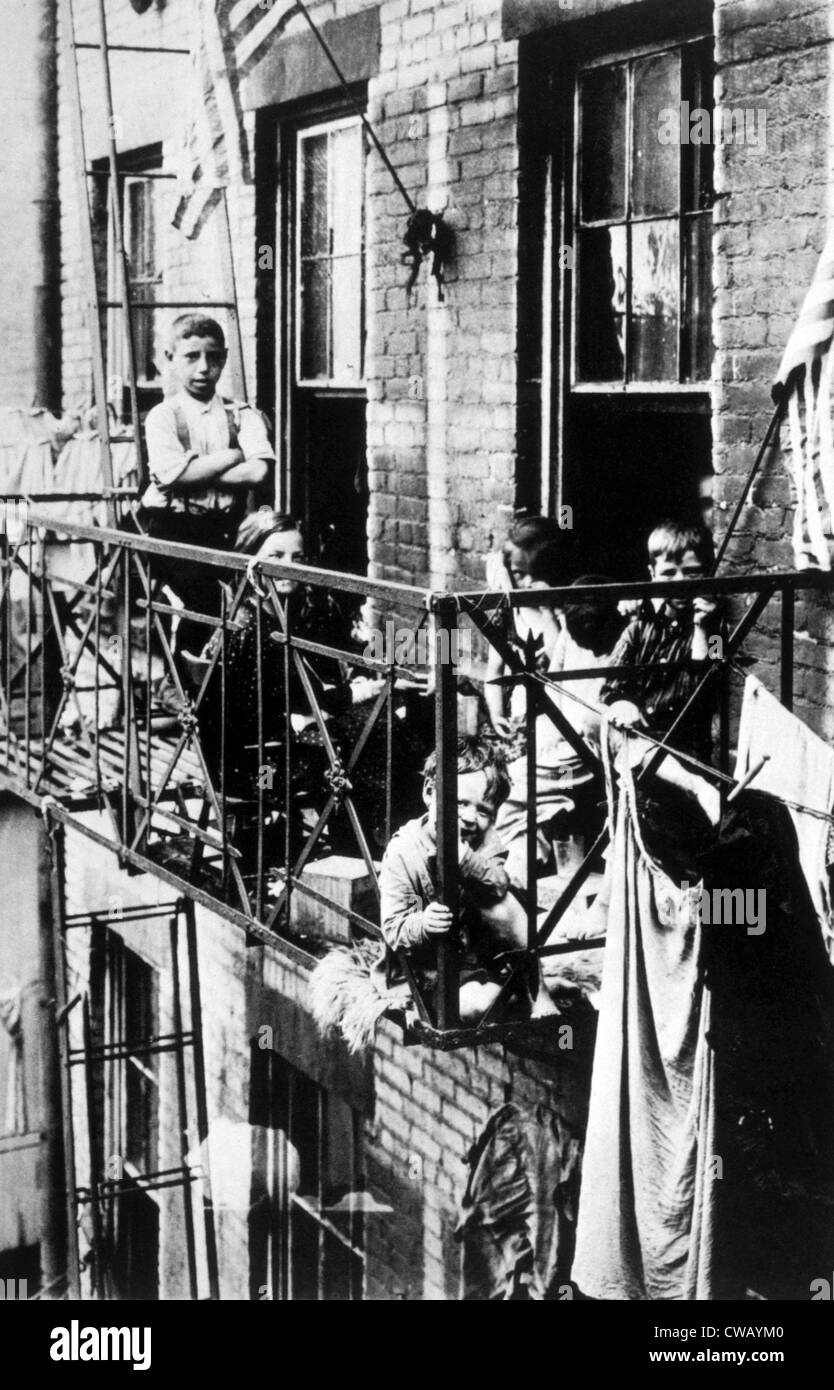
{"points": [[196, 586]]}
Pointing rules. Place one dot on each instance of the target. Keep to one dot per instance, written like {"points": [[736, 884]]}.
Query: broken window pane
{"points": [[602, 304], [655, 268]]}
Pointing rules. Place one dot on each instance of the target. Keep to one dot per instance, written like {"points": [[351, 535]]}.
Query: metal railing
{"points": [[230, 799]]}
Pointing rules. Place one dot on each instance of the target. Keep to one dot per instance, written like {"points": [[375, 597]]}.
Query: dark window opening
{"points": [[307, 1229]]}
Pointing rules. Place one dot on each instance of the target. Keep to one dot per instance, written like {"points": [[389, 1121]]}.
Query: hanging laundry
{"points": [[800, 768], [26, 450], [647, 1147], [79, 469], [519, 1208], [709, 1160]]}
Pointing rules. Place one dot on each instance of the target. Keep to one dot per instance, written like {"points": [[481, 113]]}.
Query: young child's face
{"points": [[687, 567], [475, 813], [517, 567], [197, 364], [287, 547]]}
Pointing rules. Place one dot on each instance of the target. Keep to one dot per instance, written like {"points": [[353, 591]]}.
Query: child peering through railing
{"points": [[247, 736], [148, 785]]}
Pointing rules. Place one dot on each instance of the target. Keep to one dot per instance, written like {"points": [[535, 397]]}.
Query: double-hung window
{"points": [[642, 221], [329, 254]]}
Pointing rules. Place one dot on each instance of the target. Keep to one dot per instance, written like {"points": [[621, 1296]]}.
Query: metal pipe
{"points": [[53, 1215], [44, 175]]}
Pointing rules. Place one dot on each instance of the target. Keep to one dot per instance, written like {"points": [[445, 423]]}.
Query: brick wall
{"points": [[442, 377], [770, 227], [26, 166], [423, 1112]]}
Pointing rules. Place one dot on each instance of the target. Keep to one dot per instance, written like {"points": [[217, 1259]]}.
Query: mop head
{"points": [[344, 998]]}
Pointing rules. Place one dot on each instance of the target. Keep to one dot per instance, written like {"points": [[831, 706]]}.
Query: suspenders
{"points": [[232, 409]]}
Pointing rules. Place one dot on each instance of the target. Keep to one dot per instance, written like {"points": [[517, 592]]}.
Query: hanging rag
{"points": [[709, 1164], [645, 1185], [519, 1207], [799, 767], [26, 450], [79, 469], [14, 1110]]}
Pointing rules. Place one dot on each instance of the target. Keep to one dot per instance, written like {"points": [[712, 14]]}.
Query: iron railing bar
{"points": [[446, 782], [190, 613], [542, 705], [593, 672], [334, 759], [232, 561], [185, 738], [165, 813], [472, 601], [27, 676], [300, 885], [306, 852], [259, 695], [182, 1102], [372, 663]]}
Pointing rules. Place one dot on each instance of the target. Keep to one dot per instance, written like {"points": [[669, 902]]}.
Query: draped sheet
{"points": [[646, 1213]]}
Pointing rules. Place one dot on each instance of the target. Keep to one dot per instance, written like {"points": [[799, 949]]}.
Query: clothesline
{"points": [[706, 768]]}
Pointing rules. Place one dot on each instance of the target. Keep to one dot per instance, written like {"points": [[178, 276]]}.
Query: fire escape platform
{"points": [[73, 778]]}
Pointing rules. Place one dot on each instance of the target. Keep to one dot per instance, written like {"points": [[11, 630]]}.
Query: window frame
{"points": [[626, 387], [121, 962], [319, 125], [296, 1109], [133, 164]]}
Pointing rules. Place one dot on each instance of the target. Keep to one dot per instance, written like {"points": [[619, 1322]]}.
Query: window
{"points": [[141, 214], [329, 250], [309, 1245], [131, 1119], [145, 208], [643, 222]]}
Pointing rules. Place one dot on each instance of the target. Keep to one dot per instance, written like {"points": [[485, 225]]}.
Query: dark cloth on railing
{"points": [[654, 636], [318, 618], [709, 1164], [519, 1208], [772, 1033], [311, 621]]}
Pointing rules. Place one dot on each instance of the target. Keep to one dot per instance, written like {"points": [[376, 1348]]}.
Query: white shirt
{"points": [[208, 428]]}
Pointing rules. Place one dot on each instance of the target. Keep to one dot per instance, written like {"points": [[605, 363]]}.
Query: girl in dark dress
{"points": [[343, 692]]}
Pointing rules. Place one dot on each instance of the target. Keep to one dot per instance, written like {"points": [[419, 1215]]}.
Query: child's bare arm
{"points": [[483, 873], [247, 473], [171, 465], [203, 468]]}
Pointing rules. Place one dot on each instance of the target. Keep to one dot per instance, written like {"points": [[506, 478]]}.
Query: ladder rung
{"points": [[170, 304], [118, 1051], [139, 911], [151, 1182], [128, 174], [131, 48]]}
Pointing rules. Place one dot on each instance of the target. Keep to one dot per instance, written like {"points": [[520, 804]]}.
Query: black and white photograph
{"points": [[417, 664]]}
